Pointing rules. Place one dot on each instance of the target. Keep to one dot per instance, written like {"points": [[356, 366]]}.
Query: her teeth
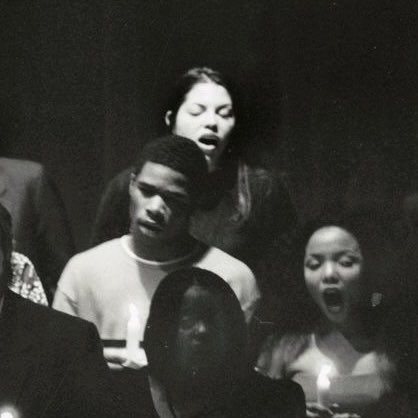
{"points": [[208, 141]]}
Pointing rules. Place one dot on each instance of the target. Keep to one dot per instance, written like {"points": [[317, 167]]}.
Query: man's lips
{"points": [[151, 226]]}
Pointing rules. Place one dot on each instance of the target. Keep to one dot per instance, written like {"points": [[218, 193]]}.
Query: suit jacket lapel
{"points": [[18, 362]]}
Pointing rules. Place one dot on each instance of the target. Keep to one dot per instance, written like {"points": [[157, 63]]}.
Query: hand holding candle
{"points": [[323, 385]]}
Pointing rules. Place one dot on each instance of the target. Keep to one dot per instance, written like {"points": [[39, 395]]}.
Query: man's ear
{"points": [[167, 118]]}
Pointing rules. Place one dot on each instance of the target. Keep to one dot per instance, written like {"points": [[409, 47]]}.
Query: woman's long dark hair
{"points": [[162, 324]]}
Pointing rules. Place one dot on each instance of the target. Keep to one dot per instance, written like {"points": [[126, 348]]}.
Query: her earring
{"points": [[376, 299]]}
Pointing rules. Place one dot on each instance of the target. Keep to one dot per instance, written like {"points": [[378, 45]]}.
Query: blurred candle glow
{"points": [[322, 385], [133, 332], [9, 411]]}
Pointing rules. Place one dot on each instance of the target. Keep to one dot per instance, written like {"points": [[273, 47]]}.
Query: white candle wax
{"points": [[133, 333], [322, 386]]}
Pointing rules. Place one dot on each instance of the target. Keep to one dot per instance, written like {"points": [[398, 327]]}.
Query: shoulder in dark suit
{"points": [[51, 364], [40, 226]]}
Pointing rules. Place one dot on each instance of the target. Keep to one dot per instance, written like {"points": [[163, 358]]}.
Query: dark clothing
{"points": [[112, 218], [40, 227], [134, 389], [51, 364], [219, 224], [256, 397], [261, 397], [246, 237]]}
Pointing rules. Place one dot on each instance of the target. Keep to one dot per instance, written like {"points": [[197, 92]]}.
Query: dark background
{"points": [[331, 87]]}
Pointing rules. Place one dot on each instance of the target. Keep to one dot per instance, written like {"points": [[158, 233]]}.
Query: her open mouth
{"points": [[333, 299], [209, 140]]}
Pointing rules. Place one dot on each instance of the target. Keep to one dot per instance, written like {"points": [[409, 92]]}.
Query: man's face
{"points": [[160, 204]]}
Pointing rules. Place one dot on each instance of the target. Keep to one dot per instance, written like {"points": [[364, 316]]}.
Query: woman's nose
{"points": [[330, 273], [210, 120]]}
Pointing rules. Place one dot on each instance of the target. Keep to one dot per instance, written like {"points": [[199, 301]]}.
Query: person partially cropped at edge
{"points": [[348, 319], [41, 229], [51, 363], [102, 283]]}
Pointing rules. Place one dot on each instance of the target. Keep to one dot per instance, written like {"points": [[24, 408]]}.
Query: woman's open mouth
{"points": [[209, 140], [333, 299]]}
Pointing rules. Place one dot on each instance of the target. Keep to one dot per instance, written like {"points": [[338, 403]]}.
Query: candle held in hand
{"points": [[133, 332], [322, 385]]}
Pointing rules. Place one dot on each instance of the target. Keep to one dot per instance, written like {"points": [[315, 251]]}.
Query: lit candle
{"points": [[133, 333], [8, 412], [322, 385]]}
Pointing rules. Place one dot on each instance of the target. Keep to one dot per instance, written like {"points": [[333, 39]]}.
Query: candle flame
{"points": [[323, 379], [133, 311], [7, 411]]}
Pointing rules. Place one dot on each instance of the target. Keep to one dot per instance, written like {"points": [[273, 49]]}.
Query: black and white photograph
{"points": [[209, 209]]}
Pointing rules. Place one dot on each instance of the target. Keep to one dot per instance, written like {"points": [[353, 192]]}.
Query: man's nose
{"points": [[155, 206]]}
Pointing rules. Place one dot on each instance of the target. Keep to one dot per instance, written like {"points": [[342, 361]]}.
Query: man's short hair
{"points": [[181, 155]]}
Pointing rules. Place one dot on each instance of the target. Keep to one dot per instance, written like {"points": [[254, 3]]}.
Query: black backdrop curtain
{"points": [[331, 87]]}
